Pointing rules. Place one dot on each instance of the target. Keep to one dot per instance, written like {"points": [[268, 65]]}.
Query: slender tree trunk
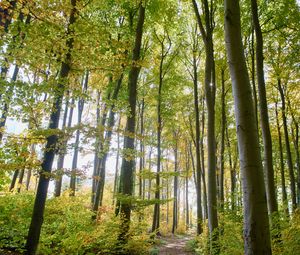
{"points": [[41, 195], [127, 168], [28, 177], [15, 73], [106, 147], [210, 103], [187, 212], [296, 145], [222, 150], [14, 180], [116, 179], [264, 116], [205, 210], [149, 180], [197, 145], [256, 222], [295, 138], [282, 175], [99, 144], [62, 152], [233, 178], [168, 190], [76, 147], [9, 93], [156, 215], [21, 176], [252, 53], [287, 145], [175, 194], [142, 148]]}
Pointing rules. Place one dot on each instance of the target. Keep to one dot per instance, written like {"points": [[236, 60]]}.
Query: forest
{"points": [[149, 127]]}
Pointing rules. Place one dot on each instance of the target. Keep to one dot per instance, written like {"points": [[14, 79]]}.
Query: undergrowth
{"points": [[67, 228]]}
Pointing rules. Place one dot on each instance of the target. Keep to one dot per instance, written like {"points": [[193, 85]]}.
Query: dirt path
{"points": [[174, 245]]}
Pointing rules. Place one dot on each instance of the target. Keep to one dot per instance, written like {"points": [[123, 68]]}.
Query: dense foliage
{"points": [[120, 124]]}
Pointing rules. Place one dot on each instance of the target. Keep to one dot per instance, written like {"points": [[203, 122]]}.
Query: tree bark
{"points": [[106, 147], [99, 145], [287, 145], [116, 179], [197, 145], [222, 149], [62, 151], [41, 195], [175, 188], [128, 164], [187, 212], [210, 103], [76, 146], [282, 175], [256, 223], [14, 180], [21, 176], [205, 210], [264, 116]]}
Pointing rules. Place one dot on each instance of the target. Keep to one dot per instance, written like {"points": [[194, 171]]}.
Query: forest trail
{"points": [[174, 245]]}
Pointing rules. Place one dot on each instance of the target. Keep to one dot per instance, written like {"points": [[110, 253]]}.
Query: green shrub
{"points": [[15, 217], [291, 235], [68, 227]]}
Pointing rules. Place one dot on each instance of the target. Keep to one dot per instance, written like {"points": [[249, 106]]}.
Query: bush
{"points": [[15, 217], [291, 235], [68, 228]]}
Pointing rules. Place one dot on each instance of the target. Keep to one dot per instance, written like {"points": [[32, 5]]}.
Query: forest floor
{"points": [[174, 245]]}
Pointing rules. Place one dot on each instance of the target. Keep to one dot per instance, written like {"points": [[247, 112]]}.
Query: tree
{"points": [[76, 147], [41, 195], [210, 90], [264, 116], [128, 163], [256, 236]]}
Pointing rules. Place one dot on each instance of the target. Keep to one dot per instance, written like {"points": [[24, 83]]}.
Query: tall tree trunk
{"points": [[252, 53], [21, 176], [233, 178], [256, 223], [99, 144], [167, 191], [41, 195], [283, 187], [127, 168], [222, 149], [62, 151], [205, 210], [142, 149], [210, 91], [14, 180], [187, 212], [28, 177], [6, 105], [287, 145], [76, 146], [150, 178], [197, 145], [116, 179], [295, 138], [106, 147], [175, 187], [264, 116], [14, 76]]}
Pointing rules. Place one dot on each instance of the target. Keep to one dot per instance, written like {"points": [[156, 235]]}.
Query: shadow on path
{"points": [[174, 245]]}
